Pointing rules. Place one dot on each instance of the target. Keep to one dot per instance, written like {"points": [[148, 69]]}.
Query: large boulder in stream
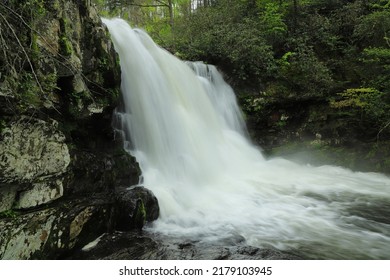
{"points": [[126, 201]]}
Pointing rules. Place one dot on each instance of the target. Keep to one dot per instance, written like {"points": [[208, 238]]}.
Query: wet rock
{"points": [[147, 246], [53, 232], [56, 231], [126, 200], [93, 171]]}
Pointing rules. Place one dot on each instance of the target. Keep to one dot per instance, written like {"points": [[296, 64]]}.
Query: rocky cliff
{"points": [[60, 164], [315, 132]]}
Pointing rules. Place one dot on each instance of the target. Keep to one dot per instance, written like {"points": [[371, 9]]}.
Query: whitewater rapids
{"points": [[182, 123]]}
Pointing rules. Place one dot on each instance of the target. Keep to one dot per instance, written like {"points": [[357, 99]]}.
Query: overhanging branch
{"points": [[149, 6]]}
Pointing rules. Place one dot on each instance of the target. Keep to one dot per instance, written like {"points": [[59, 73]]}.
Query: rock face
{"points": [[312, 131], [31, 149], [55, 231], [60, 164], [34, 158]]}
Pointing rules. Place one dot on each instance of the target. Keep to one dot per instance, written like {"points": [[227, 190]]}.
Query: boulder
{"points": [[126, 201]]}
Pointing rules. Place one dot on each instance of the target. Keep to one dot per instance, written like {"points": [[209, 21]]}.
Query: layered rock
{"points": [[34, 159], [58, 230], [60, 164]]}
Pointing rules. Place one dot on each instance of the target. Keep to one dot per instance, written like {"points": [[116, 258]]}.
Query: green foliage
{"points": [[287, 50], [34, 46], [8, 214], [22, 55], [304, 73], [37, 6], [49, 82], [28, 91], [223, 34], [33, 8], [272, 23], [374, 29], [371, 110], [140, 214], [251, 104], [377, 55], [246, 50], [367, 100], [375, 70], [65, 45], [284, 62]]}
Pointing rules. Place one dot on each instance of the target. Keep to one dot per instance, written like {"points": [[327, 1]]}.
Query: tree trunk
{"points": [[170, 8]]}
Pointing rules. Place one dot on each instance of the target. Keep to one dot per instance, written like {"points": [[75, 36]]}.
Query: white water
{"points": [[213, 185]]}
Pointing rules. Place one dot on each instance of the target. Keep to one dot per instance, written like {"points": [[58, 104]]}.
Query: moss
{"points": [[56, 5], [9, 214], [28, 92], [112, 98], [119, 151], [103, 63], [34, 46], [66, 47], [140, 214], [79, 96], [49, 82]]}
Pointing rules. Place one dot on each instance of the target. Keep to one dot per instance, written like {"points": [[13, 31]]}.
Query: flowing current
{"points": [[214, 186]]}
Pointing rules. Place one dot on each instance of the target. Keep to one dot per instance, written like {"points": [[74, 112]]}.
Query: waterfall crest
{"points": [[213, 185]]}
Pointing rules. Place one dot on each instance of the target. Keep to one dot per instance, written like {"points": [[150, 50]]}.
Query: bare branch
{"points": [[24, 51], [382, 129], [148, 6], [67, 63], [162, 3]]}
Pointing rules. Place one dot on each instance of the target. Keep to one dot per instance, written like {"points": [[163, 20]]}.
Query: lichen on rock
{"points": [[32, 149], [39, 194], [34, 158], [59, 159]]}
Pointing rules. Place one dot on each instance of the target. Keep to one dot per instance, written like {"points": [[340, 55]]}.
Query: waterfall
{"points": [[182, 123]]}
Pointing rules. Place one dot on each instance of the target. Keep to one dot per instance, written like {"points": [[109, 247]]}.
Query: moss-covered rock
{"points": [[315, 132], [128, 214], [60, 164]]}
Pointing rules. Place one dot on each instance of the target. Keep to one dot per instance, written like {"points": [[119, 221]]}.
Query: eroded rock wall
{"points": [[60, 164]]}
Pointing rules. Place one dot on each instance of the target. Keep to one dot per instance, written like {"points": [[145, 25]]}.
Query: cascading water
{"points": [[213, 185]]}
